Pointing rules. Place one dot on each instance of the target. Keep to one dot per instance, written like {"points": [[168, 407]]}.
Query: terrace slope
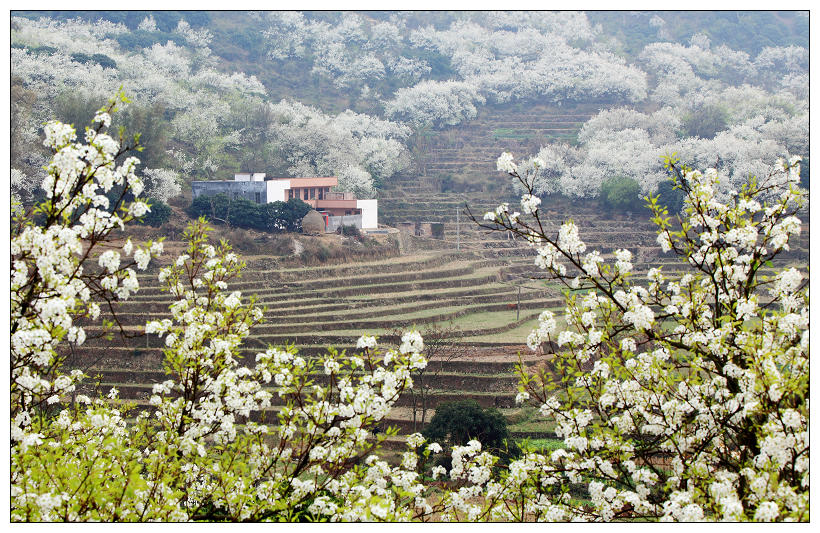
{"points": [[482, 284]]}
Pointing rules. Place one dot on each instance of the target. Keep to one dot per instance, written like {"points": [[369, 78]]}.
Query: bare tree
{"points": [[442, 344]]}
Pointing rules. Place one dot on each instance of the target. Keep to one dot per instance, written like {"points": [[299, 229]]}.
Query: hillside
{"points": [[479, 302], [373, 96]]}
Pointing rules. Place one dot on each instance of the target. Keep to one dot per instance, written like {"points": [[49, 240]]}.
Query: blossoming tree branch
{"points": [[678, 397]]}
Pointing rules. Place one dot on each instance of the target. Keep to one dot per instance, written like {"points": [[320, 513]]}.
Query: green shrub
{"points": [[274, 217], [242, 213], [79, 57], [137, 39], [212, 207], [134, 40], [44, 50], [671, 197], [159, 214], [804, 173], [349, 231], [104, 61], [101, 59], [705, 121], [293, 211], [456, 423], [621, 194]]}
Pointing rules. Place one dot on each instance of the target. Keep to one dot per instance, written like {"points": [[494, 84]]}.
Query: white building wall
{"points": [[276, 190], [242, 176], [258, 176], [370, 213]]}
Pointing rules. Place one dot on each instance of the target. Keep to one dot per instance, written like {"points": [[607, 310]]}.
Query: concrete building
{"points": [[337, 207]]}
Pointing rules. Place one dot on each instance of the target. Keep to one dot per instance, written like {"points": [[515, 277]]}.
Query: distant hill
{"points": [[747, 31], [238, 41]]}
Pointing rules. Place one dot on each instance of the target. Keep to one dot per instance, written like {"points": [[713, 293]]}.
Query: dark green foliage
{"points": [[40, 50], [248, 42], [456, 423], [671, 197], [244, 213], [150, 122], [274, 217], [349, 231], [212, 207], [440, 66], [73, 108], [137, 39], [705, 122], [145, 39], [197, 19], [104, 61], [291, 214], [621, 194], [79, 57], [159, 214], [101, 59], [216, 208], [804, 173], [166, 20]]}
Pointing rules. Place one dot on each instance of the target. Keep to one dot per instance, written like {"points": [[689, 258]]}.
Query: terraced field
{"points": [[468, 152], [475, 289], [334, 305], [482, 284]]}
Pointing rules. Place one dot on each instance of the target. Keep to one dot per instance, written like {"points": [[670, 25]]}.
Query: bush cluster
{"points": [[274, 217], [804, 173], [456, 423], [158, 215], [101, 59], [671, 197], [349, 231], [621, 194], [705, 121]]}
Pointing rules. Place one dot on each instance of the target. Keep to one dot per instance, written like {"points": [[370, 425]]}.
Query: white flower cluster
{"points": [[544, 331], [506, 163], [568, 238], [530, 203], [49, 287]]}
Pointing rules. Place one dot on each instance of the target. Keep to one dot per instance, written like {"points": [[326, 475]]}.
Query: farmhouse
{"points": [[337, 208]]}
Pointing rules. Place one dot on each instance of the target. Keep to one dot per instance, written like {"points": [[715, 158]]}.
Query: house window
{"points": [[313, 193], [305, 194], [321, 195], [290, 194], [258, 197]]}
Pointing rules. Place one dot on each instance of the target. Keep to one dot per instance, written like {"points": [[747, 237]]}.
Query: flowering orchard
{"points": [[680, 398], [199, 452]]}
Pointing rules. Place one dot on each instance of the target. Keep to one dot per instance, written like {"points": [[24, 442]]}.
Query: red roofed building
{"points": [[344, 207]]}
